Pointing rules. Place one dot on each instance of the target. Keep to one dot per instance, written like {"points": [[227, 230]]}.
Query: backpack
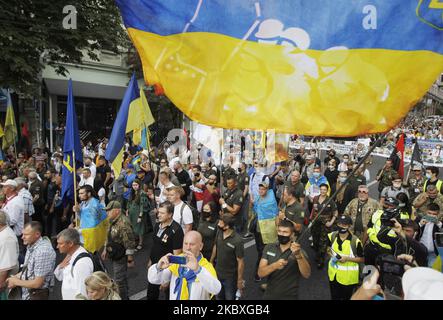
{"points": [[353, 241], [195, 215], [96, 262]]}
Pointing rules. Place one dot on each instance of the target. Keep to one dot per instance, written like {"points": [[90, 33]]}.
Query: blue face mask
{"points": [[316, 174]]}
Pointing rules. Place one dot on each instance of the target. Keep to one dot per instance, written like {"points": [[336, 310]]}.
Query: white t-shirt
{"points": [[187, 215], [8, 249], [15, 208], [73, 280], [89, 181], [93, 169]]}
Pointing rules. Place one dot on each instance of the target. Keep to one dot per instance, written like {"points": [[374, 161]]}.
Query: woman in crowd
{"points": [[208, 227], [100, 286], [138, 211]]}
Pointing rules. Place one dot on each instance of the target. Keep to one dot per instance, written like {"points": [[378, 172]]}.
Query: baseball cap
{"points": [[113, 205], [344, 219], [416, 167], [422, 283], [264, 184], [9, 182]]}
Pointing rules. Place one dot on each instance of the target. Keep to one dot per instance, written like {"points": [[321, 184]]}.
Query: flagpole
{"points": [[74, 172]]}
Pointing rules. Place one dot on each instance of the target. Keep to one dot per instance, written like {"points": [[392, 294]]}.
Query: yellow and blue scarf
{"points": [[186, 277]]}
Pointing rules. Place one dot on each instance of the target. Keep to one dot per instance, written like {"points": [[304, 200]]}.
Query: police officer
{"points": [[385, 175], [382, 237], [120, 246], [346, 253]]}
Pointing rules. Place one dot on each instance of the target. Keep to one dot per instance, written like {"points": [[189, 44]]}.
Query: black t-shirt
{"points": [[166, 240], [102, 171], [208, 230]]}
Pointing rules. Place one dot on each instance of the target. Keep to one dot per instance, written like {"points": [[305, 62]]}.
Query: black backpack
{"points": [[195, 215], [96, 261]]}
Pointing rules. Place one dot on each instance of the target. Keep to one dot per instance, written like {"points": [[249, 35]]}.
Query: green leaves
{"points": [[32, 32]]}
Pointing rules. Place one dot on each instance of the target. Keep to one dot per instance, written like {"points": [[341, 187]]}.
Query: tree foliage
{"points": [[32, 35]]}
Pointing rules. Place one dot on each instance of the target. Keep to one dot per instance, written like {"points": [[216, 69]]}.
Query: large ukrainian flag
{"points": [[312, 67], [134, 115]]}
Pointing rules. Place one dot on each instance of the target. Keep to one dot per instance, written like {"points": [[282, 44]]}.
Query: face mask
{"points": [[342, 230], [402, 205], [345, 160], [316, 174], [342, 179], [283, 239], [331, 168], [206, 214], [431, 218], [428, 176]]}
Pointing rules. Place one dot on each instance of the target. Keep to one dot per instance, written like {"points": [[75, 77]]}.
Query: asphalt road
{"points": [[314, 288]]}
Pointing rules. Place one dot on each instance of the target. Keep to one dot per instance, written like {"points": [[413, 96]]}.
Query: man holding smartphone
{"points": [[196, 280], [429, 226]]}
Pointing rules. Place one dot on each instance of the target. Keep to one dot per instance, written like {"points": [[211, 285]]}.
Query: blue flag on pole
{"points": [[71, 148]]}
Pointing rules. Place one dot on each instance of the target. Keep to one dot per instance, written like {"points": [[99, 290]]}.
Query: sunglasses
{"points": [[365, 192]]}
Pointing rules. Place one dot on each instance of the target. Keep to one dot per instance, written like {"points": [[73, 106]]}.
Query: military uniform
{"points": [[319, 230], [386, 178], [421, 210], [295, 213], [120, 232], [415, 186], [361, 213]]}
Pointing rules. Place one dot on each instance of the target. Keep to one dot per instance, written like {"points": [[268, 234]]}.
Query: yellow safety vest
{"points": [[404, 215], [346, 273], [375, 229], [438, 185]]}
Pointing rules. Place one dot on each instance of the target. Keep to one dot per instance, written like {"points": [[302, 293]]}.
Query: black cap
{"points": [[344, 219], [391, 202]]}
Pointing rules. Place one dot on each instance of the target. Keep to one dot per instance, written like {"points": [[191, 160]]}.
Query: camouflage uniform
{"points": [[415, 186], [120, 231], [421, 210], [386, 178], [367, 210]]}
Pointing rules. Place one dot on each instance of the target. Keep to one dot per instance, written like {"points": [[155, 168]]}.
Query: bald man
{"points": [[183, 276]]}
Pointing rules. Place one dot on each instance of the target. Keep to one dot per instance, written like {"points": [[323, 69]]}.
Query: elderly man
{"points": [[14, 207], [37, 275], [195, 279], [361, 210], [296, 184], [75, 267], [8, 253]]}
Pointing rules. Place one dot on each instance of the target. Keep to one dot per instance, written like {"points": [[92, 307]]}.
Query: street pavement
{"points": [[314, 288]]}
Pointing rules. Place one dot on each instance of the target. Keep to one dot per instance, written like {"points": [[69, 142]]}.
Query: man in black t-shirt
{"points": [[168, 238], [103, 170]]}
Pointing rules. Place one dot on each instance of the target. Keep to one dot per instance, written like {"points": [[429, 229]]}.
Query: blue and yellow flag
{"points": [[311, 67], [94, 225], [10, 132], [134, 114], [71, 148]]}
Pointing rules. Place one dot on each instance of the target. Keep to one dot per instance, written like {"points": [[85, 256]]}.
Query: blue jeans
{"points": [[228, 289]]}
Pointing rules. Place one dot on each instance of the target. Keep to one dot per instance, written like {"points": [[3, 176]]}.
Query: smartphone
{"points": [[439, 239], [177, 259]]}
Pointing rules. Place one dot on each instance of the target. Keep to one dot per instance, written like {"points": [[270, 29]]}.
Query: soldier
{"points": [[393, 190], [385, 175], [415, 182], [361, 210], [120, 246], [424, 199], [232, 201]]}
